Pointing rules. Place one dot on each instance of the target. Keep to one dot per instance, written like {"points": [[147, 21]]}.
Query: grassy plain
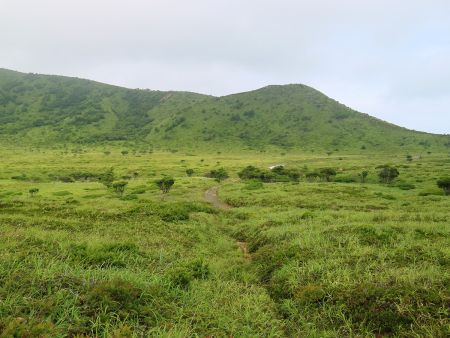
{"points": [[325, 259]]}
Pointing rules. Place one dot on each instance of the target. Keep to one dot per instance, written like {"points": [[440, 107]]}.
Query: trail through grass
{"points": [[308, 258]]}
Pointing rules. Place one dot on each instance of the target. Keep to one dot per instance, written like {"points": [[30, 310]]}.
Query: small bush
{"points": [[218, 174]]}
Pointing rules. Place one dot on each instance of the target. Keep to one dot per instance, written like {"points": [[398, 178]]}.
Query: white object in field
{"points": [[276, 166]]}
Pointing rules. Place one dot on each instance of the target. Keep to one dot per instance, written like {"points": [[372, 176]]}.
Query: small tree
{"points": [[363, 176], [409, 158], [165, 184], [444, 184], [107, 178], [33, 191], [119, 187], [219, 174], [124, 152], [135, 174], [328, 174], [189, 172], [388, 174]]}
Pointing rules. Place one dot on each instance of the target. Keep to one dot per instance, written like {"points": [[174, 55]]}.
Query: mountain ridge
{"points": [[53, 109]]}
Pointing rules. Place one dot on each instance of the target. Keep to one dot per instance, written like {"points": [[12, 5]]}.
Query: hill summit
{"points": [[46, 109]]}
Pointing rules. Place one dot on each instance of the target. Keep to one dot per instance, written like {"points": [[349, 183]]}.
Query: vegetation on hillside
{"points": [[39, 109]]}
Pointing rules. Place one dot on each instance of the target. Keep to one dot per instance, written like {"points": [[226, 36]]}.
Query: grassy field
{"points": [[298, 259]]}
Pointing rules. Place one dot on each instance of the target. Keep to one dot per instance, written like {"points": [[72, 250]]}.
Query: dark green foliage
{"points": [[363, 176], [444, 184], [21, 177], [119, 187], [278, 174], [327, 174], [189, 172], [218, 174], [388, 174], [107, 178], [124, 300], [165, 184], [375, 306], [182, 276], [33, 191]]}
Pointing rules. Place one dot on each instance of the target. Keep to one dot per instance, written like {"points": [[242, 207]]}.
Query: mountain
{"points": [[48, 110]]}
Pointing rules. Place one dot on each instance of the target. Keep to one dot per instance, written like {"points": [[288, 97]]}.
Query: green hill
{"points": [[48, 110]]}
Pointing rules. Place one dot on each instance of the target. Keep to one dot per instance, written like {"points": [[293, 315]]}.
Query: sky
{"points": [[386, 58]]}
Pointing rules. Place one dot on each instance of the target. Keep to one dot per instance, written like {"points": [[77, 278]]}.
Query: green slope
{"points": [[42, 109]]}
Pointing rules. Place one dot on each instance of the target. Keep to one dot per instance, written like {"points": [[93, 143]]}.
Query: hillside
{"points": [[48, 110]]}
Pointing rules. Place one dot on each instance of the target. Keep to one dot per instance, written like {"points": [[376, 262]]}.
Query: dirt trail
{"points": [[211, 196]]}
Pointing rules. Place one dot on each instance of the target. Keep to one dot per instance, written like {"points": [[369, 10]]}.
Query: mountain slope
{"points": [[42, 109]]}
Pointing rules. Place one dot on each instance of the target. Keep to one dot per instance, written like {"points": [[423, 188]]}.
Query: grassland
{"points": [[310, 259]]}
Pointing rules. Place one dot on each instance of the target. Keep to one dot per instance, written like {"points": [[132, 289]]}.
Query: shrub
{"points": [[388, 174], [119, 187], [277, 174], [21, 177], [107, 178], [33, 191], [165, 184], [189, 172], [363, 176], [444, 184], [219, 174], [327, 174]]}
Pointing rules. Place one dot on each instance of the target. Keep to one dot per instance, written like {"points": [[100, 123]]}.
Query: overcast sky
{"points": [[387, 58]]}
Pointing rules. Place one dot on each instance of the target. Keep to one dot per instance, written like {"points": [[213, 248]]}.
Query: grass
{"points": [[326, 259]]}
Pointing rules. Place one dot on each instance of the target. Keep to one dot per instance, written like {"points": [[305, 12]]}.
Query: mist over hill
{"points": [[48, 110]]}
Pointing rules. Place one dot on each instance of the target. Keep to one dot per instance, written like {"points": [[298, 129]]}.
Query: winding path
{"points": [[212, 196]]}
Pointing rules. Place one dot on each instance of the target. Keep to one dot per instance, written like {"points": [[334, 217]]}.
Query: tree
{"points": [[409, 158], [189, 172], [124, 152], [219, 174], [327, 174], [165, 184], [388, 174], [33, 191], [119, 187], [107, 178], [363, 176], [444, 184]]}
